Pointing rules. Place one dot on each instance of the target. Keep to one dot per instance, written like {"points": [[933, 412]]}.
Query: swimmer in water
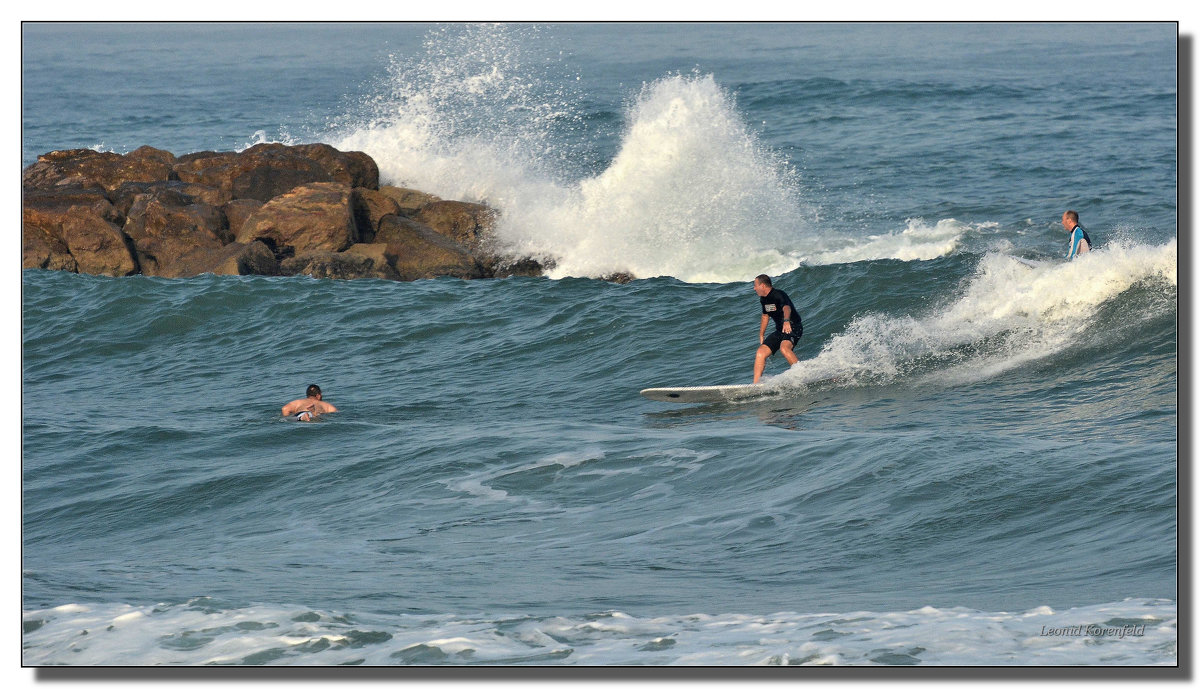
{"points": [[310, 407]]}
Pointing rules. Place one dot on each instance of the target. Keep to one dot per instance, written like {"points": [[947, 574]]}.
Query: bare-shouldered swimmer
{"points": [[310, 407]]}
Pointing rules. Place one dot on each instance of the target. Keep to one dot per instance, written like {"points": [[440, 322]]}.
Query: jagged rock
{"points": [[313, 217], [370, 205], [49, 206], [620, 277], [343, 266], [318, 210], [420, 252], [41, 248], [242, 176], [265, 171], [169, 231], [468, 224], [238, 211], [409, 200], [522, 267], [233, 259], [98, 246], [123, 196], [352, 168], [381, 258], [83, 167], [43, 213]]}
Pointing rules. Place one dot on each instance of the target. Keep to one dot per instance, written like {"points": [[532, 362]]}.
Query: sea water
{"points": [[975, 462]]}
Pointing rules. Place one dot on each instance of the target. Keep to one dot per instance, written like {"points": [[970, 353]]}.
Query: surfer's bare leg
{"points": [[785, 348], [760, 361]]}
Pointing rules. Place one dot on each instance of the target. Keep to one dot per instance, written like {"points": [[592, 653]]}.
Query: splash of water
{"points": [[690, 192], [1008, 312]]}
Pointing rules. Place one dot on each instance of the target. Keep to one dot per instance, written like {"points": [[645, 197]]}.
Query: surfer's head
{"points": [[762, 285], [313, 391], [1070, 219]]}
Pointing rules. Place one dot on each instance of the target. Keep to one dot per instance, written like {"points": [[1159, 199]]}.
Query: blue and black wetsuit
{"points": [[1078, 235]]}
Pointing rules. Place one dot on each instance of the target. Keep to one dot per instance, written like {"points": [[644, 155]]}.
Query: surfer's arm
{"points": [[787, 319], [762, 329]]}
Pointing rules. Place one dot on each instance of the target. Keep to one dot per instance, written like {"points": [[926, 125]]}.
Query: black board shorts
{"points": [[776, 338]]}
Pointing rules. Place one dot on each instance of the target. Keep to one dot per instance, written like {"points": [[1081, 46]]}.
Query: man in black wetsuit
{"points": [[778, 307]]}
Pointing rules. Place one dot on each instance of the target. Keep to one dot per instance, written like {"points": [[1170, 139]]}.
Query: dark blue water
{"points": [[980, 440]]}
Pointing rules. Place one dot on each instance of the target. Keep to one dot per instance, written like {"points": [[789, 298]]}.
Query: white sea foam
{"points": [[1006, 313], [1130, 632], [691, 192]]}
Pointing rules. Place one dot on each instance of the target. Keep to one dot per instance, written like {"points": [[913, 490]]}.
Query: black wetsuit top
{"points": [[773, 304]]}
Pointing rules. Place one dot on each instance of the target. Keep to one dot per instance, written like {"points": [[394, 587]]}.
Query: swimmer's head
{"points": [[313, 391]]}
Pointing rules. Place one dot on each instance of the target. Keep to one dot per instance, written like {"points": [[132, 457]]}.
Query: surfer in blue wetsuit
{"points": [[310, 407], [1081, 243], [776, 306]]}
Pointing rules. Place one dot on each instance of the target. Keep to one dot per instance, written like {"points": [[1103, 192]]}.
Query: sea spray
{"points": [[690, 191], [478, 116]]}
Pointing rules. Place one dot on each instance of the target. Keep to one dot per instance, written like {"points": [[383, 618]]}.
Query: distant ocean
{"points": [[975, 463]]}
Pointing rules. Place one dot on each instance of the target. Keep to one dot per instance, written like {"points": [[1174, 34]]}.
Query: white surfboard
{"points": [[709, 393]]}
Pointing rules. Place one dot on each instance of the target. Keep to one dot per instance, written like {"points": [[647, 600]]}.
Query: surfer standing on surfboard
{"points": [[777, 306], [310, 407]]}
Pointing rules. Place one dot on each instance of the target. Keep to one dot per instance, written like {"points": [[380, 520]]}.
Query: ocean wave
{"points": [[207, 632], [1007, 313]]}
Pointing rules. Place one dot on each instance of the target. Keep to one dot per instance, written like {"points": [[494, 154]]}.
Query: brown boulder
{"points": [[370, 206], [265, 171], [420, 252], [43, 213], [123, 196], [468, 224], [261, 176], [170, 233], [48, 207], [409, 200], [234, 259], [41, 248], [347, 265], [238, 211], [98, 246], [352, 168], [619, 277], [313, 217], [87, 168], [521, 267]]}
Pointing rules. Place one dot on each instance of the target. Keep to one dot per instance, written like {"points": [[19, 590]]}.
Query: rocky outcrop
{"points": [[88, 168], [265, 171], [97, 245], [171, 231], [421, 252], [269, 210], [311, 217], [410, 201], [352, 263]]}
